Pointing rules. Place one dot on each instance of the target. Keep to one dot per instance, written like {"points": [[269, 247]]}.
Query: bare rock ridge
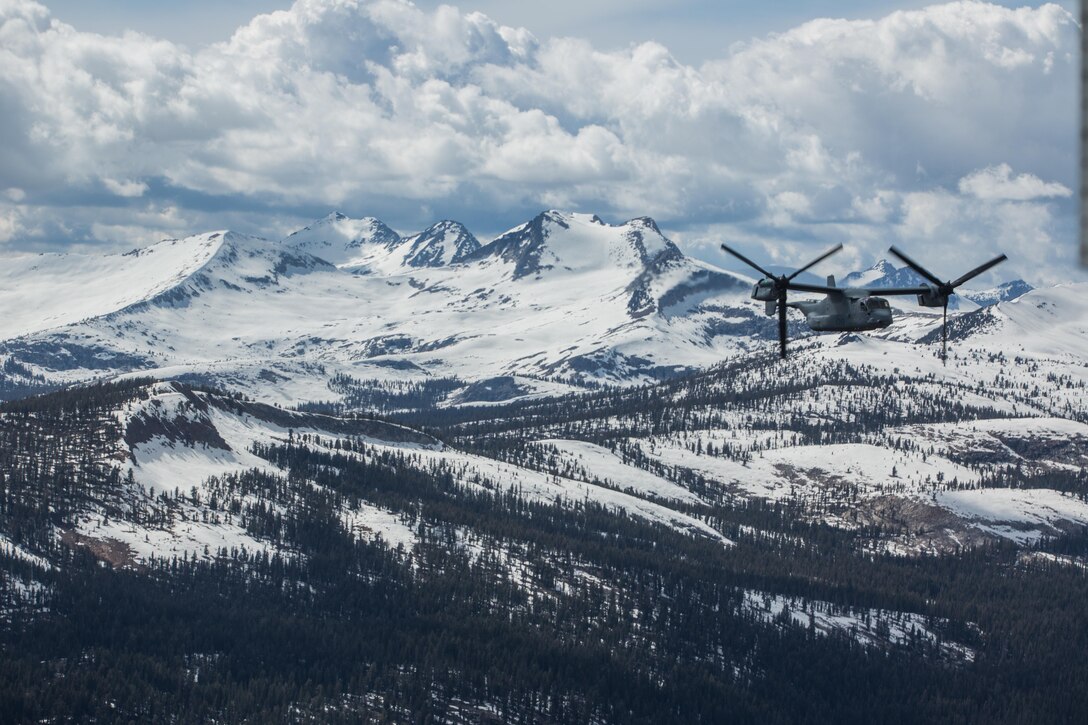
{"points": [[445, 242]]}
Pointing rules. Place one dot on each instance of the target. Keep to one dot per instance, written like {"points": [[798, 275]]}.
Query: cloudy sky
{"points": [[947, 129]]}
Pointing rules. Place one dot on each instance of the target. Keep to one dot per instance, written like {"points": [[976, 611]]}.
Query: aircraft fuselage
{"points": [[843, 313]]}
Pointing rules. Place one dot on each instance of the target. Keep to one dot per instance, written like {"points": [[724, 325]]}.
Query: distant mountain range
{"points": [[561, 297], [561, 300], [369, 242], [885, 274]]}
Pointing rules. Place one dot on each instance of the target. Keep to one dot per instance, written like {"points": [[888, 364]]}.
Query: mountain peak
{"points": [[646, 222], [883, 274], [442, 243], [578, 242], [562, 218], [338, 238], [1004, 292]]}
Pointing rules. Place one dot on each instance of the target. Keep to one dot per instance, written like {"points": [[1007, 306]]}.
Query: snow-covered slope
{"points": [[1005, 292], [938, 486], [1044, 322], [43, 291], [177, 443]]}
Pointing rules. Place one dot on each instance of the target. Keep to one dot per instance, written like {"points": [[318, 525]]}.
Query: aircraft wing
{"points": [[858, 291], [814, 288], [892, 291]]}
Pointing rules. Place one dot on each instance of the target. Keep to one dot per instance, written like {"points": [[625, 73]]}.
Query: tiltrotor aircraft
{"points": [[852, 309]]}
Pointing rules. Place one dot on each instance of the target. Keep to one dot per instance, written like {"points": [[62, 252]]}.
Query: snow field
{"points": [[163, 466], [608, 467], [870, 627], [808, 473], [1022, 515], [487, 473]]}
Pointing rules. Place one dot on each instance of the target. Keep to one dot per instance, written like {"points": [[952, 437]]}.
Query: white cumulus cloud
{"points": [[379, 107], [128, 189], [998, 182]]}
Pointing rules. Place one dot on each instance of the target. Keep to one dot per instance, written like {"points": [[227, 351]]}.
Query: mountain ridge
{"points": [[885, 274], [563, 299], [437, 303], [433, 247]]}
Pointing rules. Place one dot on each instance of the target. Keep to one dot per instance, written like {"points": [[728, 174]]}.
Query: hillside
{"points": [[258, 551]]}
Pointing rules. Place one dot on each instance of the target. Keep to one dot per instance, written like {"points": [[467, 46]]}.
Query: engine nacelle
{"points": [[933, 298], [764, 291]]}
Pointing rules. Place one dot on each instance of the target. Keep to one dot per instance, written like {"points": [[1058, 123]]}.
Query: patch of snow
{"points": [[10, 549], [1022, 515], [870, 627], [607, 466]]}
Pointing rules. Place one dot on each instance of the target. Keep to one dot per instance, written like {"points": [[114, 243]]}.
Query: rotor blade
{"points": [[979, 270], [816, 261], [747, 261], [917, 267], [782, 325]]}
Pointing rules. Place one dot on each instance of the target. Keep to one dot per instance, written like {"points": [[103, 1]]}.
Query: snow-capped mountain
{"points": [[561, 299], [342, 240], [886, 274], [503, 474], [1005, 292], [369, 245], [447, 242], [882, 274], [562, 295], [580, 243]]}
